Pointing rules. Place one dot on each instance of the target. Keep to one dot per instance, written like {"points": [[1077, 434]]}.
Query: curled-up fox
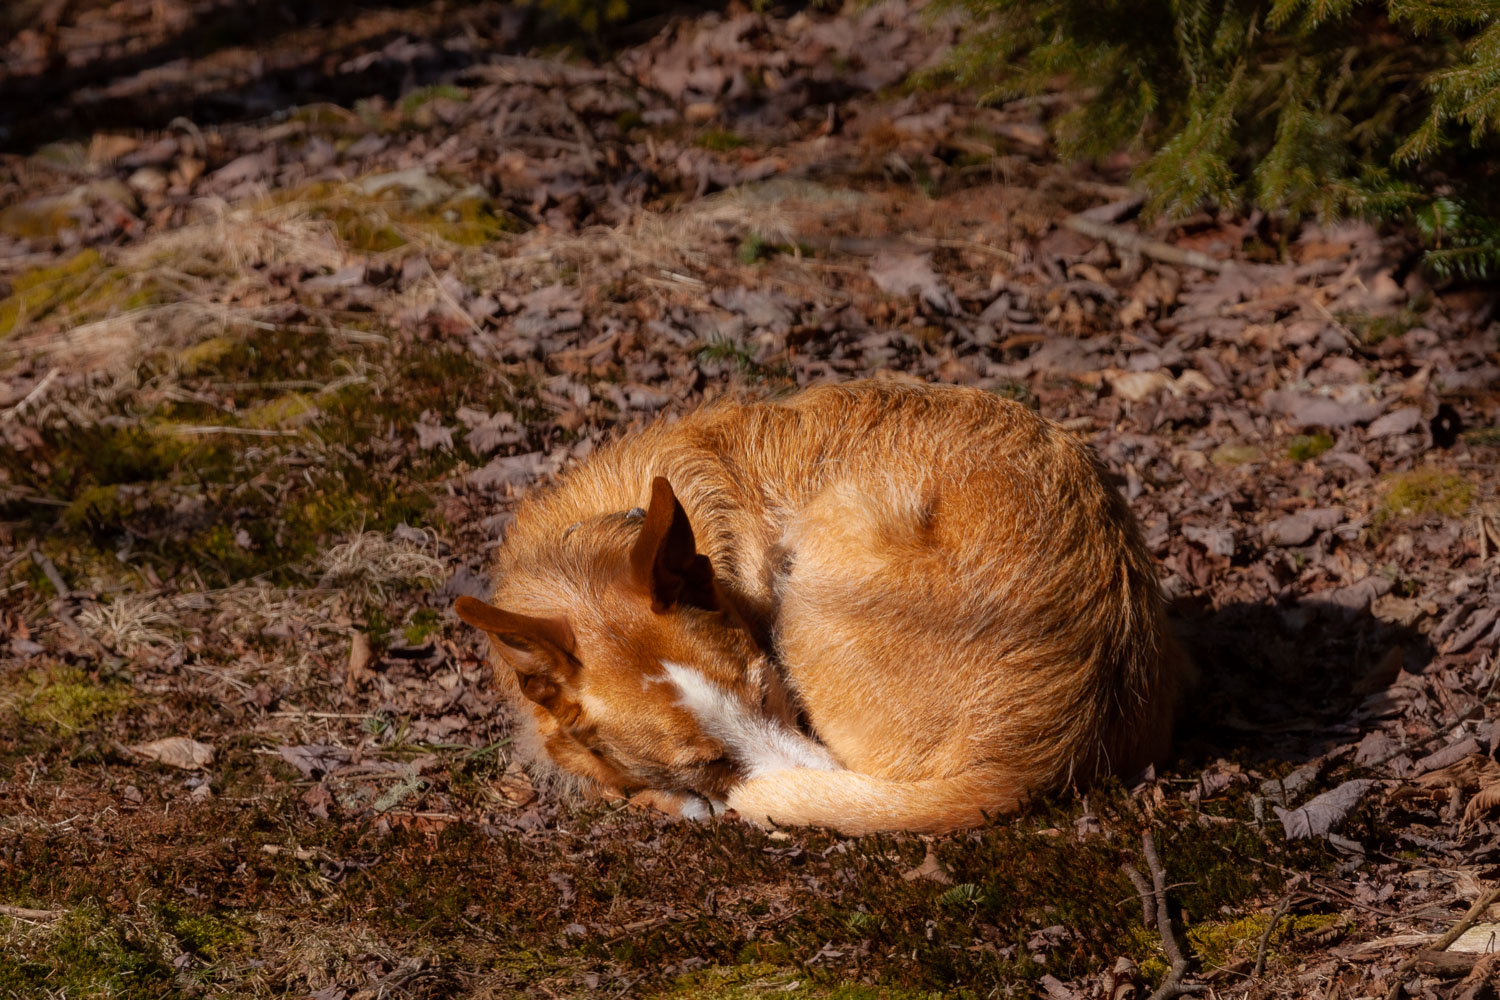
{"points": [[869, 606]]}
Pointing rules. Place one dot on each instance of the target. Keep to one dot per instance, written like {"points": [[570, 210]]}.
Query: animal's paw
{"points": [[701, 809], [681, 806]]}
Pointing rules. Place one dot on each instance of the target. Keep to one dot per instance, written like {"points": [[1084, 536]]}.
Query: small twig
{"points": [[452, 302], [185, 430], [61, 613], [1351, 901], [1265, 939], [1447, 964], [59, 606], [1475, 912], [26, 913], [1441, 944], [1172, 986], [300, 853], [1133, 242], [1494, 679], [49, 570], [629, 986], [585, 137], [1159, 886], [1143, 890], [637, 927], [186, 124], [957, 244], [1350, 338]]}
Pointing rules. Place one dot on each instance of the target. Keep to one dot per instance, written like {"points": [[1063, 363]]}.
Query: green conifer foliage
{"points": [[1380, 108], [590, 15]]}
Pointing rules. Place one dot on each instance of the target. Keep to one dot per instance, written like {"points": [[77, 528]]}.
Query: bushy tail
{"points": [[855, 804]]}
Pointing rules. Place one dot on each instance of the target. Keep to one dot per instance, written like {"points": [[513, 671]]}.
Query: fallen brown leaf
{"points": [[177, 751], [930, 868], [360, 656]]}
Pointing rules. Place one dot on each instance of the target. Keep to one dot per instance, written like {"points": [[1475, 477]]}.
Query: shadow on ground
{"points": [[237, 61], [1287, 681]]}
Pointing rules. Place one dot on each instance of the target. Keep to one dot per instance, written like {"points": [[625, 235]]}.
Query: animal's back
{"points": [[964, 589]]}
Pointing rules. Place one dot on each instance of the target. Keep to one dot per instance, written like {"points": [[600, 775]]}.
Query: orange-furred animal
{"points": [[869, 606]]}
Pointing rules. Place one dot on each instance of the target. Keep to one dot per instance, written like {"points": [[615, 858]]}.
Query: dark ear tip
{"points": [[469, 609]]}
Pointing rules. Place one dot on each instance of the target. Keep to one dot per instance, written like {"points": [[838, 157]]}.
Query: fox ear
{"points": [[665, 562], [540, 650]]}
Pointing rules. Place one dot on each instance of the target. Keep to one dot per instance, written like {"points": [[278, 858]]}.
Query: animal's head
{"points": [[597, 625]]}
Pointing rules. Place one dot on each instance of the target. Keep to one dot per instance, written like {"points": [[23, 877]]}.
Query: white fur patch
{"points": [[698, 809], [760, 744]]}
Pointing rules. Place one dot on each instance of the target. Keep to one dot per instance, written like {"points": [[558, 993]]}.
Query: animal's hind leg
{"points": [[869, 634]]}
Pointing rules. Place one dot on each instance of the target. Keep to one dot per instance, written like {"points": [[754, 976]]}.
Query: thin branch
{"points": [[974, 245], [189, 431], [1143, 890], [59, 605], [1265, 939], [1134, 242], [26, 913], [1163, 914], [1475, 912], [1172, 986], [49, 570], [1441, 944]]}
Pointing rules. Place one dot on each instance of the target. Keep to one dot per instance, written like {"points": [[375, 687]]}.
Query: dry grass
{"points": [[131, 624], [236, 242], [371, 562], [652, 243], [305, 625]]}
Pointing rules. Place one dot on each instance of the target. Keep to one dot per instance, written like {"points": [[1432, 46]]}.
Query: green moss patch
{"points": [[1220, 944], [426, 95], [383, 213], [203, 934], [1372, 328], [1236, 454], [195, 479], [97, 509], [1422, 493], [1305, 447], [720, 140], [204, 355], [79, 289], [64, 700], [424, 622], [36, 293], [471, 221], [752, 249], [290, 410], [1484, 437], [87, 953]]}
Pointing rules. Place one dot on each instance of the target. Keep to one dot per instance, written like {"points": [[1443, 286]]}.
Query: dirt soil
{"points": [[286, 331]]}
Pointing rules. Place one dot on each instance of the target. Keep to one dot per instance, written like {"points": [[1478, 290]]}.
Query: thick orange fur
{"points": [[935, 584]]}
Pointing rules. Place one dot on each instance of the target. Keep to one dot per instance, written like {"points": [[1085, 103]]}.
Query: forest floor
{"points": [[274, 370]]}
